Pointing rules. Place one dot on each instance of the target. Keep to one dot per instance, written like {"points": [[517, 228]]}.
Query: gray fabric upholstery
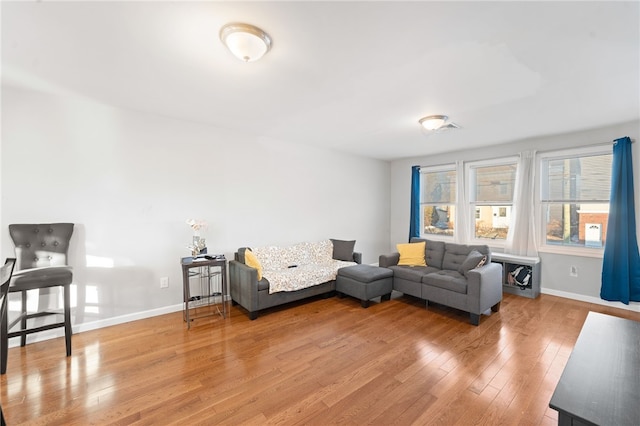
{"points": [[449, 280], [414, 273], [475, 292], [364, 283], [472, 260], [343, 250], [365, 273], [253, 295], [39, 245], [433, 253]]}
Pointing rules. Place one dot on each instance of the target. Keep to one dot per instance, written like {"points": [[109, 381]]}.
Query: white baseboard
{"points": [[632, 306], [94, 325]]}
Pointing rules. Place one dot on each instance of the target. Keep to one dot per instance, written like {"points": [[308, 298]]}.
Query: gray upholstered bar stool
{"points": [[41, 252]]}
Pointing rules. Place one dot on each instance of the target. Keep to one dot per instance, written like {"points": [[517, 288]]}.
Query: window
{"points": [[574, 197], [437, 200], [490, 188]]}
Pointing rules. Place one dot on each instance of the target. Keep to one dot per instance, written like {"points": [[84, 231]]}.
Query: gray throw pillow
{"points": [[343, 250], [474, 259]]}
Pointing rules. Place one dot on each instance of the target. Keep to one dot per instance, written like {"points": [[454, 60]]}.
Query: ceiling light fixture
{"points": [[246, 42], [433, 122]]}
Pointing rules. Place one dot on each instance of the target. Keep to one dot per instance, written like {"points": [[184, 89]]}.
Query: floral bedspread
{"points": [[299, 266]]}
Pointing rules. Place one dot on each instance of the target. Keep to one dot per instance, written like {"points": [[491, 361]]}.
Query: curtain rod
{"points": [[542, 152]]}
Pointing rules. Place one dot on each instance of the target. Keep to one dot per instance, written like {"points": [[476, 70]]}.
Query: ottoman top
{"points": [[365, 273]]}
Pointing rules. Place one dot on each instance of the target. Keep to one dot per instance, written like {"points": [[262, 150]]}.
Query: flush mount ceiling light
{"points": [[246, 42], [437, 124], [433, 122]]}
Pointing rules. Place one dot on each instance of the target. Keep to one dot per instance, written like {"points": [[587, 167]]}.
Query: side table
{"points": [[210, 276]]}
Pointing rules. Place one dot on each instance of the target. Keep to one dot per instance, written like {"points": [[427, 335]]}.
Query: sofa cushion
{"points": [[252, 261], [411, 273], [434, 251], [343, 250], [448, 280], [474, 260], [411, 254], [456, 254], [365, 273]]}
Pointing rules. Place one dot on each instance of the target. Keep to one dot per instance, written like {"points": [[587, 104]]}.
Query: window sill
{"points": [[573, 251]]}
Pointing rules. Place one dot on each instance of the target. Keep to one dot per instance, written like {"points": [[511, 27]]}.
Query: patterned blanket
{"points": [[299, 266]]}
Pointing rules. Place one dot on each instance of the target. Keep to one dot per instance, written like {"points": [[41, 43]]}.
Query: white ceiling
{"points": [[353, 76]]}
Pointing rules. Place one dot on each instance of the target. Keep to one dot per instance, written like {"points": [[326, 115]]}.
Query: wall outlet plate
{"points": [[164, 282], [573, 271]]}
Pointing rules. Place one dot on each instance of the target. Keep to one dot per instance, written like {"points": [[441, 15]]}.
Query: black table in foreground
{"points": [[600, 384]]}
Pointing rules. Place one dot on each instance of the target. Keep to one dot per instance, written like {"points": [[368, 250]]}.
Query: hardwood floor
{"points": [[326, 361]]}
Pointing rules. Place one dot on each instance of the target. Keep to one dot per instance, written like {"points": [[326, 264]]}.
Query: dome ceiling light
{"points": [[244, 41], [437, 122], [433, 122]]}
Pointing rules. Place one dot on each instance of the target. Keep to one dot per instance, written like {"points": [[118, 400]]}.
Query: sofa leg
{"points": [[364, 303], [340, 294], [233, 303], [253, 315], [426, 303], [496, 307], [474, 319], [385, 297]]}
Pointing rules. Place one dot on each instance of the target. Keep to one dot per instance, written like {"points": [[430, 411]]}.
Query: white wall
{"points": [[555, 277], [129, 181]]}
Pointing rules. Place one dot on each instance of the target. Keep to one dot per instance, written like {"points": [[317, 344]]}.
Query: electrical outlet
{"points": [[573, 271], [164, 282]]}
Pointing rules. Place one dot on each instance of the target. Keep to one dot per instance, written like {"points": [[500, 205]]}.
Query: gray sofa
{"points": [[253, 295], [448, 279]]}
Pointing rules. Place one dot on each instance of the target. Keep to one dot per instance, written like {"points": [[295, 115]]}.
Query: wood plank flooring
{"points": [[326, 361]]}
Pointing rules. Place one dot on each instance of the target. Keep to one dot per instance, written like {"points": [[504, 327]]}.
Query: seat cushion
{"points": [[365, 273], [49, 276], [448, 280], [412, 273]]}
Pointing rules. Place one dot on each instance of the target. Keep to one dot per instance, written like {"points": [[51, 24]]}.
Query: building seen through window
{"points": [[575, 199]]}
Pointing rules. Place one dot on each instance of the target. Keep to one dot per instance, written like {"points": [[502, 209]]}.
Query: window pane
{"points": [[439, 187], [495, 183], [492, 222], [581, 225], [579, 179], [438, 220]]}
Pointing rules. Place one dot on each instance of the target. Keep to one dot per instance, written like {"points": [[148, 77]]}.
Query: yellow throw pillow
{"points": [[252, 261], [412, 254]]}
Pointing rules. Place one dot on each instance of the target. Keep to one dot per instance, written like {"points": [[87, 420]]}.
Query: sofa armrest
{"points": [[243, 283], [386, 260], [484, 287], [357, 257]]}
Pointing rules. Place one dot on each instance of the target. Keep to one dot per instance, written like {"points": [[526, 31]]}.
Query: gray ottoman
{"points": [[364, 282]]}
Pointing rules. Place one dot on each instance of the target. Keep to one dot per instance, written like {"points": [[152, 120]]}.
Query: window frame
{"points": [[470, 191], [541, 158], [449, 167]]}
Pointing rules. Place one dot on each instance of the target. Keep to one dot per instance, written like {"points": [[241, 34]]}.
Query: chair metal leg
{"points": [[4, 340], [67, 318], [23, 321]]}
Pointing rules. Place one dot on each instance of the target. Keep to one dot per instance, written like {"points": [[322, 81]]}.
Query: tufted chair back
{"points": [[39, 245]]}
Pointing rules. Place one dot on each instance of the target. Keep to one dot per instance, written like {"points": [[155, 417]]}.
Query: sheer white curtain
{"points": [[462, 235], [521, 238]]}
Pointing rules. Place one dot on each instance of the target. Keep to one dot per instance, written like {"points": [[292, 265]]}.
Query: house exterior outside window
{"points": [[490, 187], [438, 200], [575, 188]]}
